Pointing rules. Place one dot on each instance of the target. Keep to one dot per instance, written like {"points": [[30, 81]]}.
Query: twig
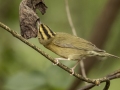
{"points": [[114, 73], [82, 68], [69, 18], [74, 33], [109, 77], [88, 87], [107, 85], [114, 76]]}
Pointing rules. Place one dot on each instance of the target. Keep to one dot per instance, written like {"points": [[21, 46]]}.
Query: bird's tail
{"points": [[109, 55]]}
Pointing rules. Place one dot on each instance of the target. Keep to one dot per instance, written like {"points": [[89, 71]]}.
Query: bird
{"points": [[67, 46]]}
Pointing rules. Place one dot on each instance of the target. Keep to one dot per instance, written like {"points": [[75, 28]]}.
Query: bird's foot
{"points": [[73, 68], [56, 62], [72, 71]]}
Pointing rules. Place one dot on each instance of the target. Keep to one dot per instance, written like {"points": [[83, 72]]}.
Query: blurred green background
{"points": [[22, 68]]}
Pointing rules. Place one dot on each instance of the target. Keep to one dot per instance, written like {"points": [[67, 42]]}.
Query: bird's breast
{"points": [[64, 52]]}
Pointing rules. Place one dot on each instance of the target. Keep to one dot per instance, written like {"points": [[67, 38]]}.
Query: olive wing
{"points": [[65, 40]]}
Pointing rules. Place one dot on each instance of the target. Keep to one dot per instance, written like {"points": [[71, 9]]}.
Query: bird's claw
{"points": [[72, 71], [57, 62]]}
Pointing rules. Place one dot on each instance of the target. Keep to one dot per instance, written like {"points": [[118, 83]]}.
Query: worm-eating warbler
{"points": [[68, 46]]}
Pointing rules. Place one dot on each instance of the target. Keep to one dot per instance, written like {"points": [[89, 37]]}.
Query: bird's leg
{"points": [[73, 68], [57, 60]]}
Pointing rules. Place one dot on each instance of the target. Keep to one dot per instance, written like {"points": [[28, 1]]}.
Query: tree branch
{"points": [[109, 77], [88, 87], [69, 18], [107, 85]]}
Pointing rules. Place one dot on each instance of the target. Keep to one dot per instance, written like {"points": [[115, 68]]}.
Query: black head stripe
{"points": [[51, 31], [45, 31], [41, 34]]}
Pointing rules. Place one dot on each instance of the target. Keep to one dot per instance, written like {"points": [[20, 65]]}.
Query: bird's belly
{"points": [[70, 53]]}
